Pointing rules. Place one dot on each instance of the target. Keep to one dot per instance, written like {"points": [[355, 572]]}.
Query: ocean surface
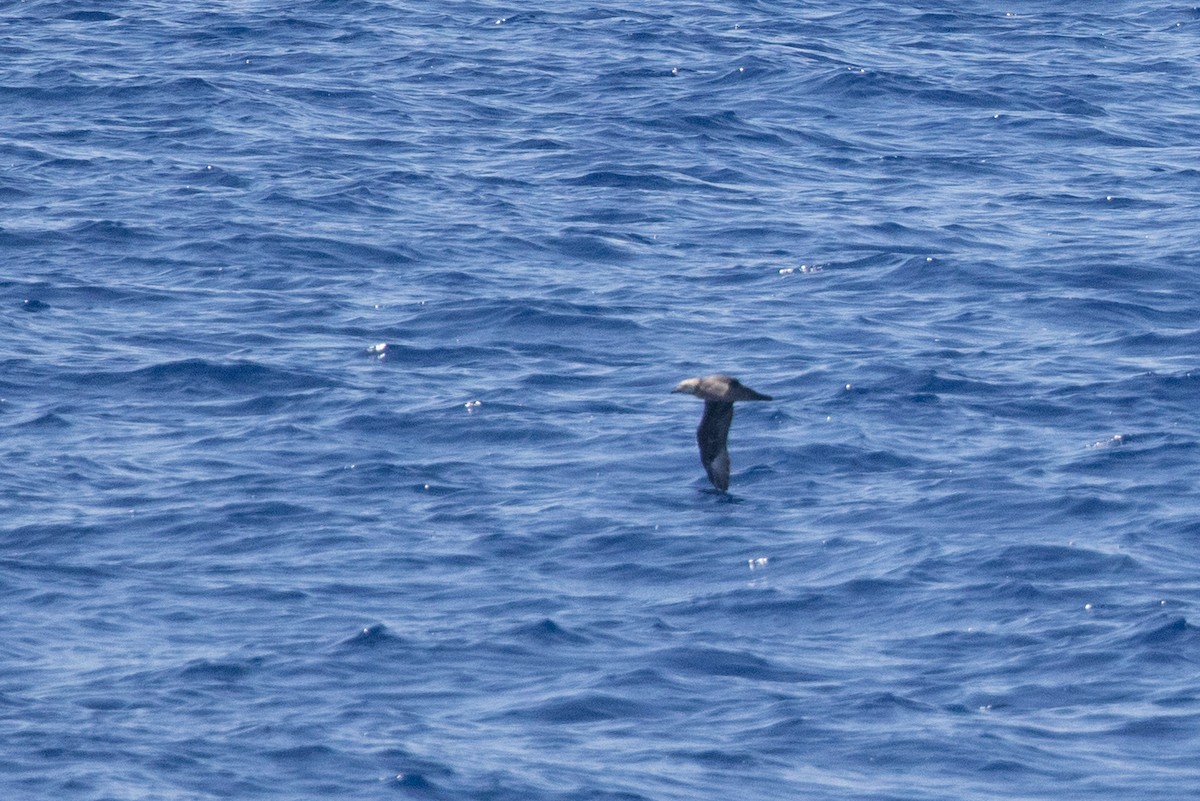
{"points": [[337, 451]]}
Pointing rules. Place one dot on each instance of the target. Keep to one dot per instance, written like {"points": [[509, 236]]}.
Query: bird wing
{"points": [[713, 438]]}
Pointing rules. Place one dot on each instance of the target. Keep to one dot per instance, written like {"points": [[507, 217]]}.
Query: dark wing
{"points": [[713, 436]]}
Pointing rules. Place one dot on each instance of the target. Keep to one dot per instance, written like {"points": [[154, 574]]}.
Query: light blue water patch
{"points": [[339, 454]]}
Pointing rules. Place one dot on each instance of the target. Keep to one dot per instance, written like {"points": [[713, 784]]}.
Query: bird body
{"points": [[718, 393]]}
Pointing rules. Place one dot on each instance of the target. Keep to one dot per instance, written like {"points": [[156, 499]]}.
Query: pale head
{"points": [[718, 387], [689, 387]]}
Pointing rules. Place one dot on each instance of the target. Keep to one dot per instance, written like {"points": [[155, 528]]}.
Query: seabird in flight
{"points": [[718, 393]]}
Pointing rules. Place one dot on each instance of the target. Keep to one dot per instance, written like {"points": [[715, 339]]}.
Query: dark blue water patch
{"points": [[318, 250], [1159, 728], [563, 317], [1055, 128], [57, 538], [635, 179], [967, 645], [207, 671], [112, 232], [583, 708], [381, 472], [541, 144], [925, 385], [593, 794], [1130, 453], [48, 420], [709, 661], [302, 755], [271, 406], [1138, 393], [853, 84], [89, 16], [1170, 388], [376, 635], [740, 759], [213, 176], [712, 126], [589, 247], [71, 297], [1072, 106], [829, 458], [547, 633], [1121, 315], [414, 783], [890, 705], [267, 512], [411, 771], [198, 378], [1176, 631], [503, 329], [1058, 563], [767, 604], [977, 99], [1155, 344], [783, 725], [653, 574]]}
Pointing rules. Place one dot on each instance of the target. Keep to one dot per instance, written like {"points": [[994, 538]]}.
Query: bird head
{"points": [[719, 387]]}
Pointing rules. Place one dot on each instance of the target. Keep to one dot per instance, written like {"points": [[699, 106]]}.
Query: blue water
{"points": [[338, 458]]}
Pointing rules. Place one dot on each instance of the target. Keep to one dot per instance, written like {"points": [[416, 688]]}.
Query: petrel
{"points": [[718, 393]]}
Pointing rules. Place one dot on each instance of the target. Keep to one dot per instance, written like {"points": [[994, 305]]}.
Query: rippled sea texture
{"points": [[338, 454]]}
